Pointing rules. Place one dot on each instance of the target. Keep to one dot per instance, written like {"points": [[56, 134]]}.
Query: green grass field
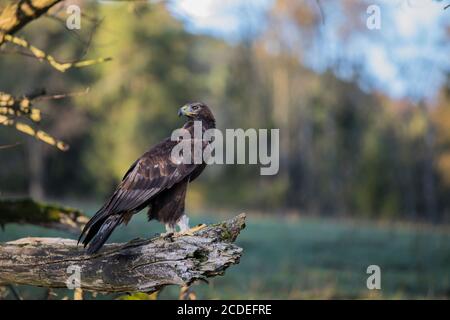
{"points": [[309, 258]]}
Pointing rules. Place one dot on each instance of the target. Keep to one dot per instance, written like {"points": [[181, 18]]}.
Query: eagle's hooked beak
{"points": [[185, 110]]}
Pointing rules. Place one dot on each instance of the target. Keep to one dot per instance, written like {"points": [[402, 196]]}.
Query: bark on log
{"points": [[27, 211], [17, 14], [139, 265]]}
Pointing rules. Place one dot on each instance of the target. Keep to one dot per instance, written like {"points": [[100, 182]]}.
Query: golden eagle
{"points": [[153, 181]]}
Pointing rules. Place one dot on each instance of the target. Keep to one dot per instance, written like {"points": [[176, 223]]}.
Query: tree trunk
{"points": [[36, 169]]}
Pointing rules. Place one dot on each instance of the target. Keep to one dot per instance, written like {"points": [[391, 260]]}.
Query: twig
{"points": [[62, 95], [14, 292], [38, 134], [7, 146], [322, 15], [78, 294], [76, 35], [12, 108], [186, 293], [49, 294], [36, 93], [97, 23], [42, 56], [15, 51]]}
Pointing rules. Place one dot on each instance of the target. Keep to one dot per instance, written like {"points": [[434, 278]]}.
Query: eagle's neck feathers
{"points": [[206, 123]]}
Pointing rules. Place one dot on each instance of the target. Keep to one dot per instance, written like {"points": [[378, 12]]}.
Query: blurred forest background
{"points": [[351, 144]]}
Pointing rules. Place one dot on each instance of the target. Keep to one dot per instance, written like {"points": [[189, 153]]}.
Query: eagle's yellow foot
{"points": [[191, 231]]}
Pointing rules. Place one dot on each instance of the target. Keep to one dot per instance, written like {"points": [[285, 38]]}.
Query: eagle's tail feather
{"points": [[96, 220], [100, 232]]}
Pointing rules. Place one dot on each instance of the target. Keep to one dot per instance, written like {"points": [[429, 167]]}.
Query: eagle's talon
{"points": [[167, 234], [191, 231]]}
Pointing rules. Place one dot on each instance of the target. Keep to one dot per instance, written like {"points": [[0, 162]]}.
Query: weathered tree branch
{"points": [[139, 265], [17, 14], [46, 215]]}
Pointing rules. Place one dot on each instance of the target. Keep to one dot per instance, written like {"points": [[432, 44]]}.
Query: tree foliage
{"points": [[344, 150]]}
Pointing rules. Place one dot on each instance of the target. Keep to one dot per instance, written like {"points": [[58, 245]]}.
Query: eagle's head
{"points": [[196, 111]]}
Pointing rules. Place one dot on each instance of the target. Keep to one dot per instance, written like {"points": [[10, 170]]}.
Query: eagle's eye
{"points": [[195, 108]]}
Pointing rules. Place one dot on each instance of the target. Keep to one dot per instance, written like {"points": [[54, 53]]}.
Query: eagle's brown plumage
{"points": [[153, 181]]}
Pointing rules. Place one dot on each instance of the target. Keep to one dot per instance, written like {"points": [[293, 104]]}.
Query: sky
{"points": [[216, 17], [405, 58]]}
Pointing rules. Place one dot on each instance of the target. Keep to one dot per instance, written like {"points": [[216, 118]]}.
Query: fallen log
{"points": [[139, 265], [28, 211]]}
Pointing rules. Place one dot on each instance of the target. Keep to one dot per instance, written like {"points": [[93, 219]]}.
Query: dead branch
{"points": [[38, 134], [13, 108], [322, 14], [7, 146], [27, 211], [19, 106], [43, 56], [139, 265], [15, 15]]}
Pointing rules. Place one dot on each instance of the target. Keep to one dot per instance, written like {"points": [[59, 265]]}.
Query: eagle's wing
{"points": [[148, 176]]}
